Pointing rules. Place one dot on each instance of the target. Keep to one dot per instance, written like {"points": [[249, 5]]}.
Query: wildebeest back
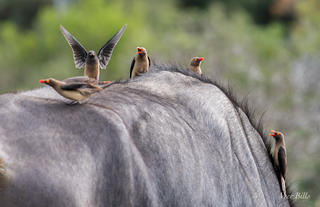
{"points": [[162, 139]]}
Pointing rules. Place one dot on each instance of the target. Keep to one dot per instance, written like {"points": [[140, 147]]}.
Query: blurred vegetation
{"points": [[276, 64], [21, 12], [261, 11]]}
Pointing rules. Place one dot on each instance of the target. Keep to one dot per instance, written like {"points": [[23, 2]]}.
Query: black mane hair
{"points": [[255, 119]]}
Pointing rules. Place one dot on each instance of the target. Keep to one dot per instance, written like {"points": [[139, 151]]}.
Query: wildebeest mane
{"points": [[227, 90], [255, 119], [243, 104]]}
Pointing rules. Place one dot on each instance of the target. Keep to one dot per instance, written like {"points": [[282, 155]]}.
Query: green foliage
{"points": [[21, 12], [42, 51]]}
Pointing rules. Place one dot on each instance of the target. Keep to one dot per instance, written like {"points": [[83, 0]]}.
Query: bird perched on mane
{"points": [[195, 64], [75, 90], [280, 158], [140, 63], [90, 60]]}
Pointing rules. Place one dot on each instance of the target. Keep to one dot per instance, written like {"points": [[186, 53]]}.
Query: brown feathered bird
{"points": [[280, 158], [195, 64], [76, 90], [90, 60], [140, 63]]}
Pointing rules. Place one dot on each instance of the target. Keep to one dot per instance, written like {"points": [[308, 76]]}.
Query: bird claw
{"points": [[73, 103]]}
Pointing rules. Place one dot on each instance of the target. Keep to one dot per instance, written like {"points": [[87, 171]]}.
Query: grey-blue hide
{"points": [[166, 138]]}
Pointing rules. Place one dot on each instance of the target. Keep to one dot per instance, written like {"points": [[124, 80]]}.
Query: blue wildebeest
{"points": [[166, 138]]}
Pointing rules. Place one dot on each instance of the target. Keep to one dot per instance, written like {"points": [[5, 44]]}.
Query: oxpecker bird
{"points": [[73, 90], [140, 63], [280, 158], [195, 64], [90, 60]]}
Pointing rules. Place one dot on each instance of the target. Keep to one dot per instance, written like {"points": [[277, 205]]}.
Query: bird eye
{"points": [[196, 59], [277, 133]]}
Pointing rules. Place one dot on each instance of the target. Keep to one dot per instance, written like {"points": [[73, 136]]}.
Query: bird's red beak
{"points": [[201, 58], [273, 133], [44, 81], [139, 50]]}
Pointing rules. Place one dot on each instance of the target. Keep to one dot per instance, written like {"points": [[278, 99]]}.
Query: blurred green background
{"points": [[268, 50]]}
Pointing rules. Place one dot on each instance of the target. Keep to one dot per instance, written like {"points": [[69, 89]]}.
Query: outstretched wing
{"points": [[282, 161], [105, 52], [132, 65], [79, 52]]}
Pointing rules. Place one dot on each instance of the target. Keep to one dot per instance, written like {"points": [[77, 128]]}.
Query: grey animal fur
{"points": [[166, 138]]}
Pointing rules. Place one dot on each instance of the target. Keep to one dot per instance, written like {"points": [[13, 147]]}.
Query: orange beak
{"points": [[44, 81], [273, 133]]}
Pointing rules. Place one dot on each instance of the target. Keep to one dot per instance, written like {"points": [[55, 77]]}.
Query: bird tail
{"points": [[3, 175], [283, 186]]}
